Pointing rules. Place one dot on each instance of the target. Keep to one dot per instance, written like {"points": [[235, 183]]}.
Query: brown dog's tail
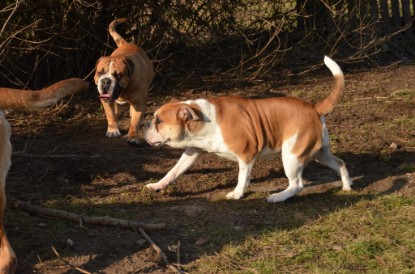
{"points": [[114, 34], [29, 100], [336, 94]]}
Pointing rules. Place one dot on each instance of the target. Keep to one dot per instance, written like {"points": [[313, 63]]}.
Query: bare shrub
{"points": [[45, 41]]}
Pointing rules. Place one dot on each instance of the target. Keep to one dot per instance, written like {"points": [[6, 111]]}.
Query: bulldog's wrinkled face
{"points": [[171, 124], [112, 76]]}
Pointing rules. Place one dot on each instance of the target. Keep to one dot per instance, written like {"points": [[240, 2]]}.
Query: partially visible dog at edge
{"points": [[245, 130], [124, 77], [23, 100]]}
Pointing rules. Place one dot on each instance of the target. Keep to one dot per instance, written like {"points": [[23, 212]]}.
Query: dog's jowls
{"points": [[245, 130], [124, 77]]}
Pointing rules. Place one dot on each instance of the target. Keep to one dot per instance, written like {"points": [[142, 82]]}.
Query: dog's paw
{"points": [[234, 195], [276, 198], [347, 188], [133, 141], [154, 186], [112, 133]]}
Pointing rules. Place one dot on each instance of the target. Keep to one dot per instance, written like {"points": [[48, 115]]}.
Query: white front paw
{"points": [[112, 133], [154, 186], [234, 195]]}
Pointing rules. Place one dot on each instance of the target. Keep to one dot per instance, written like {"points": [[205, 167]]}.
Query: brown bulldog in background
{"points": [[25, 100], [124, 77]]}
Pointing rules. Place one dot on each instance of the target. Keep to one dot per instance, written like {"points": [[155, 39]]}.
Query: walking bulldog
{"points": [[124, 77], [245, 130], [27, 100]]}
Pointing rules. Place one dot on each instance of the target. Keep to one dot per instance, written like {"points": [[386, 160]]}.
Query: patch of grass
{"points": [[404, 94], [408, 168], [376, 236]]}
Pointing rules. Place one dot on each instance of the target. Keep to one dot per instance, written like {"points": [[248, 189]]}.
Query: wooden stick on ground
{"points": [[80, 269], [158, 250], [77, 218]]}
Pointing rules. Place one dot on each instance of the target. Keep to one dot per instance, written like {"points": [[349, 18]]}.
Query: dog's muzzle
{"points": [[109, 89], [152, 136]]}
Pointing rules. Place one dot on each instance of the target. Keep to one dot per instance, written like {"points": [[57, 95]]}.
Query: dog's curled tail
{"points": [[29, 100], [118, 39], [336, 94]]}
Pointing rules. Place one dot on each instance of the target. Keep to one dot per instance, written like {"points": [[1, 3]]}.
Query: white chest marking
{"points": [[210, 137]]}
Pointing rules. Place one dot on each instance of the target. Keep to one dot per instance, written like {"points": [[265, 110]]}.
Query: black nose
{"points": [[105, 83]]}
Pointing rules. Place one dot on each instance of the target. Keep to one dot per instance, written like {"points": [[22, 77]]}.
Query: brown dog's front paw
{"points": [[133, 141], [112, 133]]}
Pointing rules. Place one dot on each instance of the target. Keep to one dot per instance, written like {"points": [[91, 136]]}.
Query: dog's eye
{"points": [[117, 75], [158, 121]]}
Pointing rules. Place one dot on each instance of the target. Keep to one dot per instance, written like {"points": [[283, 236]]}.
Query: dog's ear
{"points": [[130, 65], [96, 64], [186, 113], [96, 72]]}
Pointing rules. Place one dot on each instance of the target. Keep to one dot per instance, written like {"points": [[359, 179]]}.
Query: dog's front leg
{"points": [[185, 162], [244, 176], [137, 115], [112, 130]]}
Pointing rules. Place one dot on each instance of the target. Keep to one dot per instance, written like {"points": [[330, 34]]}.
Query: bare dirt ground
{"points": [[63, 160]]}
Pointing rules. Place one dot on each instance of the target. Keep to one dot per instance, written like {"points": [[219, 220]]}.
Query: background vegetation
{"points": [[43, 41]]}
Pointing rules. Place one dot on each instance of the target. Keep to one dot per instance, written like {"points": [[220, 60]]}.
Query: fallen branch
{"points": [[22, 154], [81, 219], [159, 251]]}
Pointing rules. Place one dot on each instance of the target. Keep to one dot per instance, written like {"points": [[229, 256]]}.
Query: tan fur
{"points": [[334, 98], [25, 100], [118, 39], [244, 130], [262, 123], [29, 100], [135, 74]]}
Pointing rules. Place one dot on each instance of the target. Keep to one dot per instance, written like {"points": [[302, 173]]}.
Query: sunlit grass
{"points": [[376, 236]]}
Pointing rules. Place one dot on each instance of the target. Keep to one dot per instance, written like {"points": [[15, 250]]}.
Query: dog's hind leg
{"points": [[325, 157], [293, 169]]}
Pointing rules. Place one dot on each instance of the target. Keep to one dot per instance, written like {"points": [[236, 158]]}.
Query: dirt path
{"points": [[62, 159]]}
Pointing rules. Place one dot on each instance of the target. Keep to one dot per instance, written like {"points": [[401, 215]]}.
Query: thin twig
{"points": [[68, 263], [159, 251]]}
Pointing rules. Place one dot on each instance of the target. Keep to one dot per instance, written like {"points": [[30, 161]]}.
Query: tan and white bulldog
{"points": [[124, 77], [245, 130]]}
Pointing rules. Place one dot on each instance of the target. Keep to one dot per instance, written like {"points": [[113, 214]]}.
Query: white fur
{"points": [[185, 162], [110, 75], [244, 177], [210, 138], [293, 169], [333, 67]]}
